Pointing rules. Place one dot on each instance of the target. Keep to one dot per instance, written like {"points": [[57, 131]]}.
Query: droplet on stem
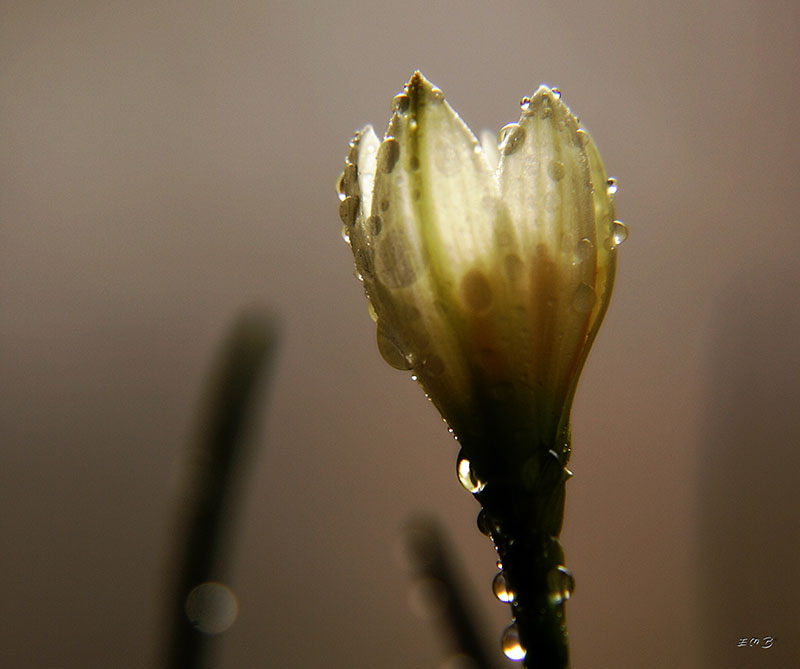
{"points": [[511, 643]]}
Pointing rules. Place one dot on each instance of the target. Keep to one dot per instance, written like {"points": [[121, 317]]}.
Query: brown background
{"points": [[165, 164]]}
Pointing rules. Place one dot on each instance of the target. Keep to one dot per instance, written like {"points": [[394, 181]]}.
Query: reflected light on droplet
{"points": [[211, 607]]}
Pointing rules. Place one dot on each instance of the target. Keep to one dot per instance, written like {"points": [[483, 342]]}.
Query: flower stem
{"points": [[523, 510]]}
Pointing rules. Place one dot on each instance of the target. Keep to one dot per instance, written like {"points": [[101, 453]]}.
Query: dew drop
{"points": [[556, 92], [512, 264], [476, 291], [211, 607], [556, 170], [501, 590], [340, 186], [510, 138], [560, 584], [391, 352], [437, 94], [348, 209], [392, 263], [371, 311], [525, 103], [619, 232], [611, 186], [467, 477], [485, 523], [388, 153], [511, 643], [374, 225], [584, 298], [345, 234], [583, 249], [400, 103]]}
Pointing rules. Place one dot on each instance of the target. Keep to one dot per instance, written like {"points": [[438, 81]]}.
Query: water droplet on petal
{"points": [[400, 103], [501, 590], [611, 186], [619, 232], [391, 352], [510, 138], [525, 103], [392, 263], [583, 249], [556, 170], [348, 209], [476, 291], [371, 311], [374, 225], [340, 186], [467, 478], [437, 94], [345, 234], [561, 584], [511, 643], [388, 154], [584, 298], [485, 523], [556, 92]]}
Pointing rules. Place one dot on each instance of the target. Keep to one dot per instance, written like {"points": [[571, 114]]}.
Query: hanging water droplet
{"points": [[348, 209], [400, 103], [556, 170], [388, 153], [584, 298], [485, 523], [510, 138], [525, 103], [583, 249], [345, 234], [556, 92], [619, 232], [467, 478], [511, 643], [501, 590], [391, 352], [561, 584], [374, 224], [340, 186], [611, 186], [371, 311]]}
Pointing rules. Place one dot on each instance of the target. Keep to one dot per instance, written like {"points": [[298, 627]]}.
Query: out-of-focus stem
{"points": [[211, 488]]}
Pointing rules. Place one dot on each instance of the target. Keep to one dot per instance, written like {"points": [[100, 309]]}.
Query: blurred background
{"points": [[166, 164]]}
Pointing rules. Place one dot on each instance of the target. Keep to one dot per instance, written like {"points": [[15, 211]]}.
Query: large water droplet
{"points": [[476, 291], [400, 103], [467, 478], [501, 590], [511, 643], [560, 584], [374, 225], [391, 352], [211, 607], [510, 138], [348, 209], [583, 249], [392, 263], [619, 232], [584, 298], [556, 170], [388, 153]]}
